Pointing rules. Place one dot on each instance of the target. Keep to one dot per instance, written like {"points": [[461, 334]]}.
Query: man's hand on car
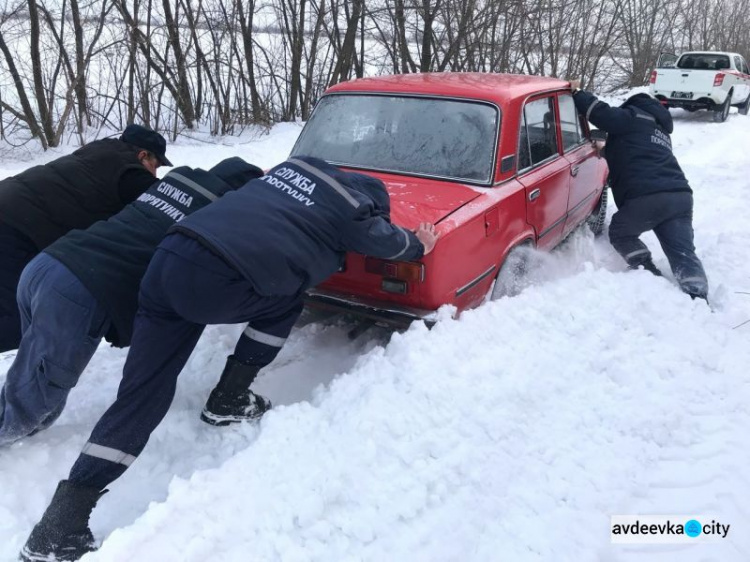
{"points": [[575, 85], [599, 147], [427, 236]]}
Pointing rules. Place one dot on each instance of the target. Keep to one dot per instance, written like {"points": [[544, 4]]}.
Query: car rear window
{"points": [[432, 137], [704, 61]]}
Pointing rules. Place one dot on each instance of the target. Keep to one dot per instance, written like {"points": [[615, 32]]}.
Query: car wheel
{"points": [[513, 275], [721, 114], [745, 106], [595, 220]]}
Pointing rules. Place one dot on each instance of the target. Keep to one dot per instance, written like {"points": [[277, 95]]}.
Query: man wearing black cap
{"points": [[648, 185], [84, 287], [41, 204]]}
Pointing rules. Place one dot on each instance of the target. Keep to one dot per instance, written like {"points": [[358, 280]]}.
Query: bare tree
{"points": [[27, 114], [246, 28], [353, 10], [646, 31], [183, 64]]}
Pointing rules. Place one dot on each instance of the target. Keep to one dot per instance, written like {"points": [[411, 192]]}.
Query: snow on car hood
{"points": [[415, 200]]}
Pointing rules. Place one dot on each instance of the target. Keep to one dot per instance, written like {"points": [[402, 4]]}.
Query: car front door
{"points": [[584, 167], [743, 83], [542, 170]]}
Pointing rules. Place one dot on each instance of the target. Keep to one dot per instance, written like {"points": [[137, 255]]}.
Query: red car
{"points": [[498, 162]]}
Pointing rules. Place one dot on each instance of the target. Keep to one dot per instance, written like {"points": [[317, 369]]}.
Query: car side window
{"points": [[569, 123], [744, 66], [541, 129], [738, 63]]}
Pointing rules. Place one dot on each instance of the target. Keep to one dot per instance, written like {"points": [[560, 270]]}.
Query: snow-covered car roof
{"points": [[708, 52], [496, 88]]}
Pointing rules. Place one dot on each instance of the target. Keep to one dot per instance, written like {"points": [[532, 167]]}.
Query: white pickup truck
{"points": [[703, 80]]}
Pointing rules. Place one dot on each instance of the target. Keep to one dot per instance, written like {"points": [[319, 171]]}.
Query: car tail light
{"points": [[719, 79], [652, 80], [398, 270]]}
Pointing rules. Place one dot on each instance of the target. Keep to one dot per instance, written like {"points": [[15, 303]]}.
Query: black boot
{"points": [[694, 296], [648, 266], [63, 532], [232, 400]]}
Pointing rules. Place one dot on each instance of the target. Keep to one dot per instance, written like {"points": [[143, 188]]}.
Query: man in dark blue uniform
{"points": [[41, 204], [84, 287], [249, 257], [648, 185]]}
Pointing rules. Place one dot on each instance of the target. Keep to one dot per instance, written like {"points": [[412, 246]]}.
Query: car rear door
{"points": [[544, 173], [584, 165]]}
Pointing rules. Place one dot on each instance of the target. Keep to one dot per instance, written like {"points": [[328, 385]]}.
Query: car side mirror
{"points": [[598, 135]]}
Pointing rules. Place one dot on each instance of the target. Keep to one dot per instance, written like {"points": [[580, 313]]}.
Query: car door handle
{"points": [[574, 171], [535, 194]]}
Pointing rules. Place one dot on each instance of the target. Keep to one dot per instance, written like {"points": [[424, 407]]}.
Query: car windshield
{"points": [[421, 136], [704, 61]]}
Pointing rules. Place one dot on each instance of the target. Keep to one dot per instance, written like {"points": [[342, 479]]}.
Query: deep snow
{"points": [[510, 434]]}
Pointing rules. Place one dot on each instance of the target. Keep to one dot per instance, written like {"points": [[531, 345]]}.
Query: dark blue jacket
{"points": [[639, 148], [111, 257], [289, 230]]}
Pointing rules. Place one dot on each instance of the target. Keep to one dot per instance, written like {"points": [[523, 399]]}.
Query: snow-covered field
{"points": [[511, 434]]}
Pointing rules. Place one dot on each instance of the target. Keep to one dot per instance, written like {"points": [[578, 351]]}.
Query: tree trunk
{"points": [[45, 114], [184, 99], [28, 115]]}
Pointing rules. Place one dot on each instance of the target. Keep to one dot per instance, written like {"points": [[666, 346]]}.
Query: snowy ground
{"points": [[511, 434]]}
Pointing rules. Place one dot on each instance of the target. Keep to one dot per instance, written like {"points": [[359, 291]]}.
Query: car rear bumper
{"points": [[377, 311], [700, 103]]}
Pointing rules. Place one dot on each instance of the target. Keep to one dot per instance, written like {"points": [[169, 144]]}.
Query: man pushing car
{"points": [[84, 287], [249, 257], [43, 203], [649, 187]]}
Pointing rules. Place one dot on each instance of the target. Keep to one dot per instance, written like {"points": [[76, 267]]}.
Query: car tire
{"points": [[512, 278], [721, 114], [745, 107], [598, 216]]}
